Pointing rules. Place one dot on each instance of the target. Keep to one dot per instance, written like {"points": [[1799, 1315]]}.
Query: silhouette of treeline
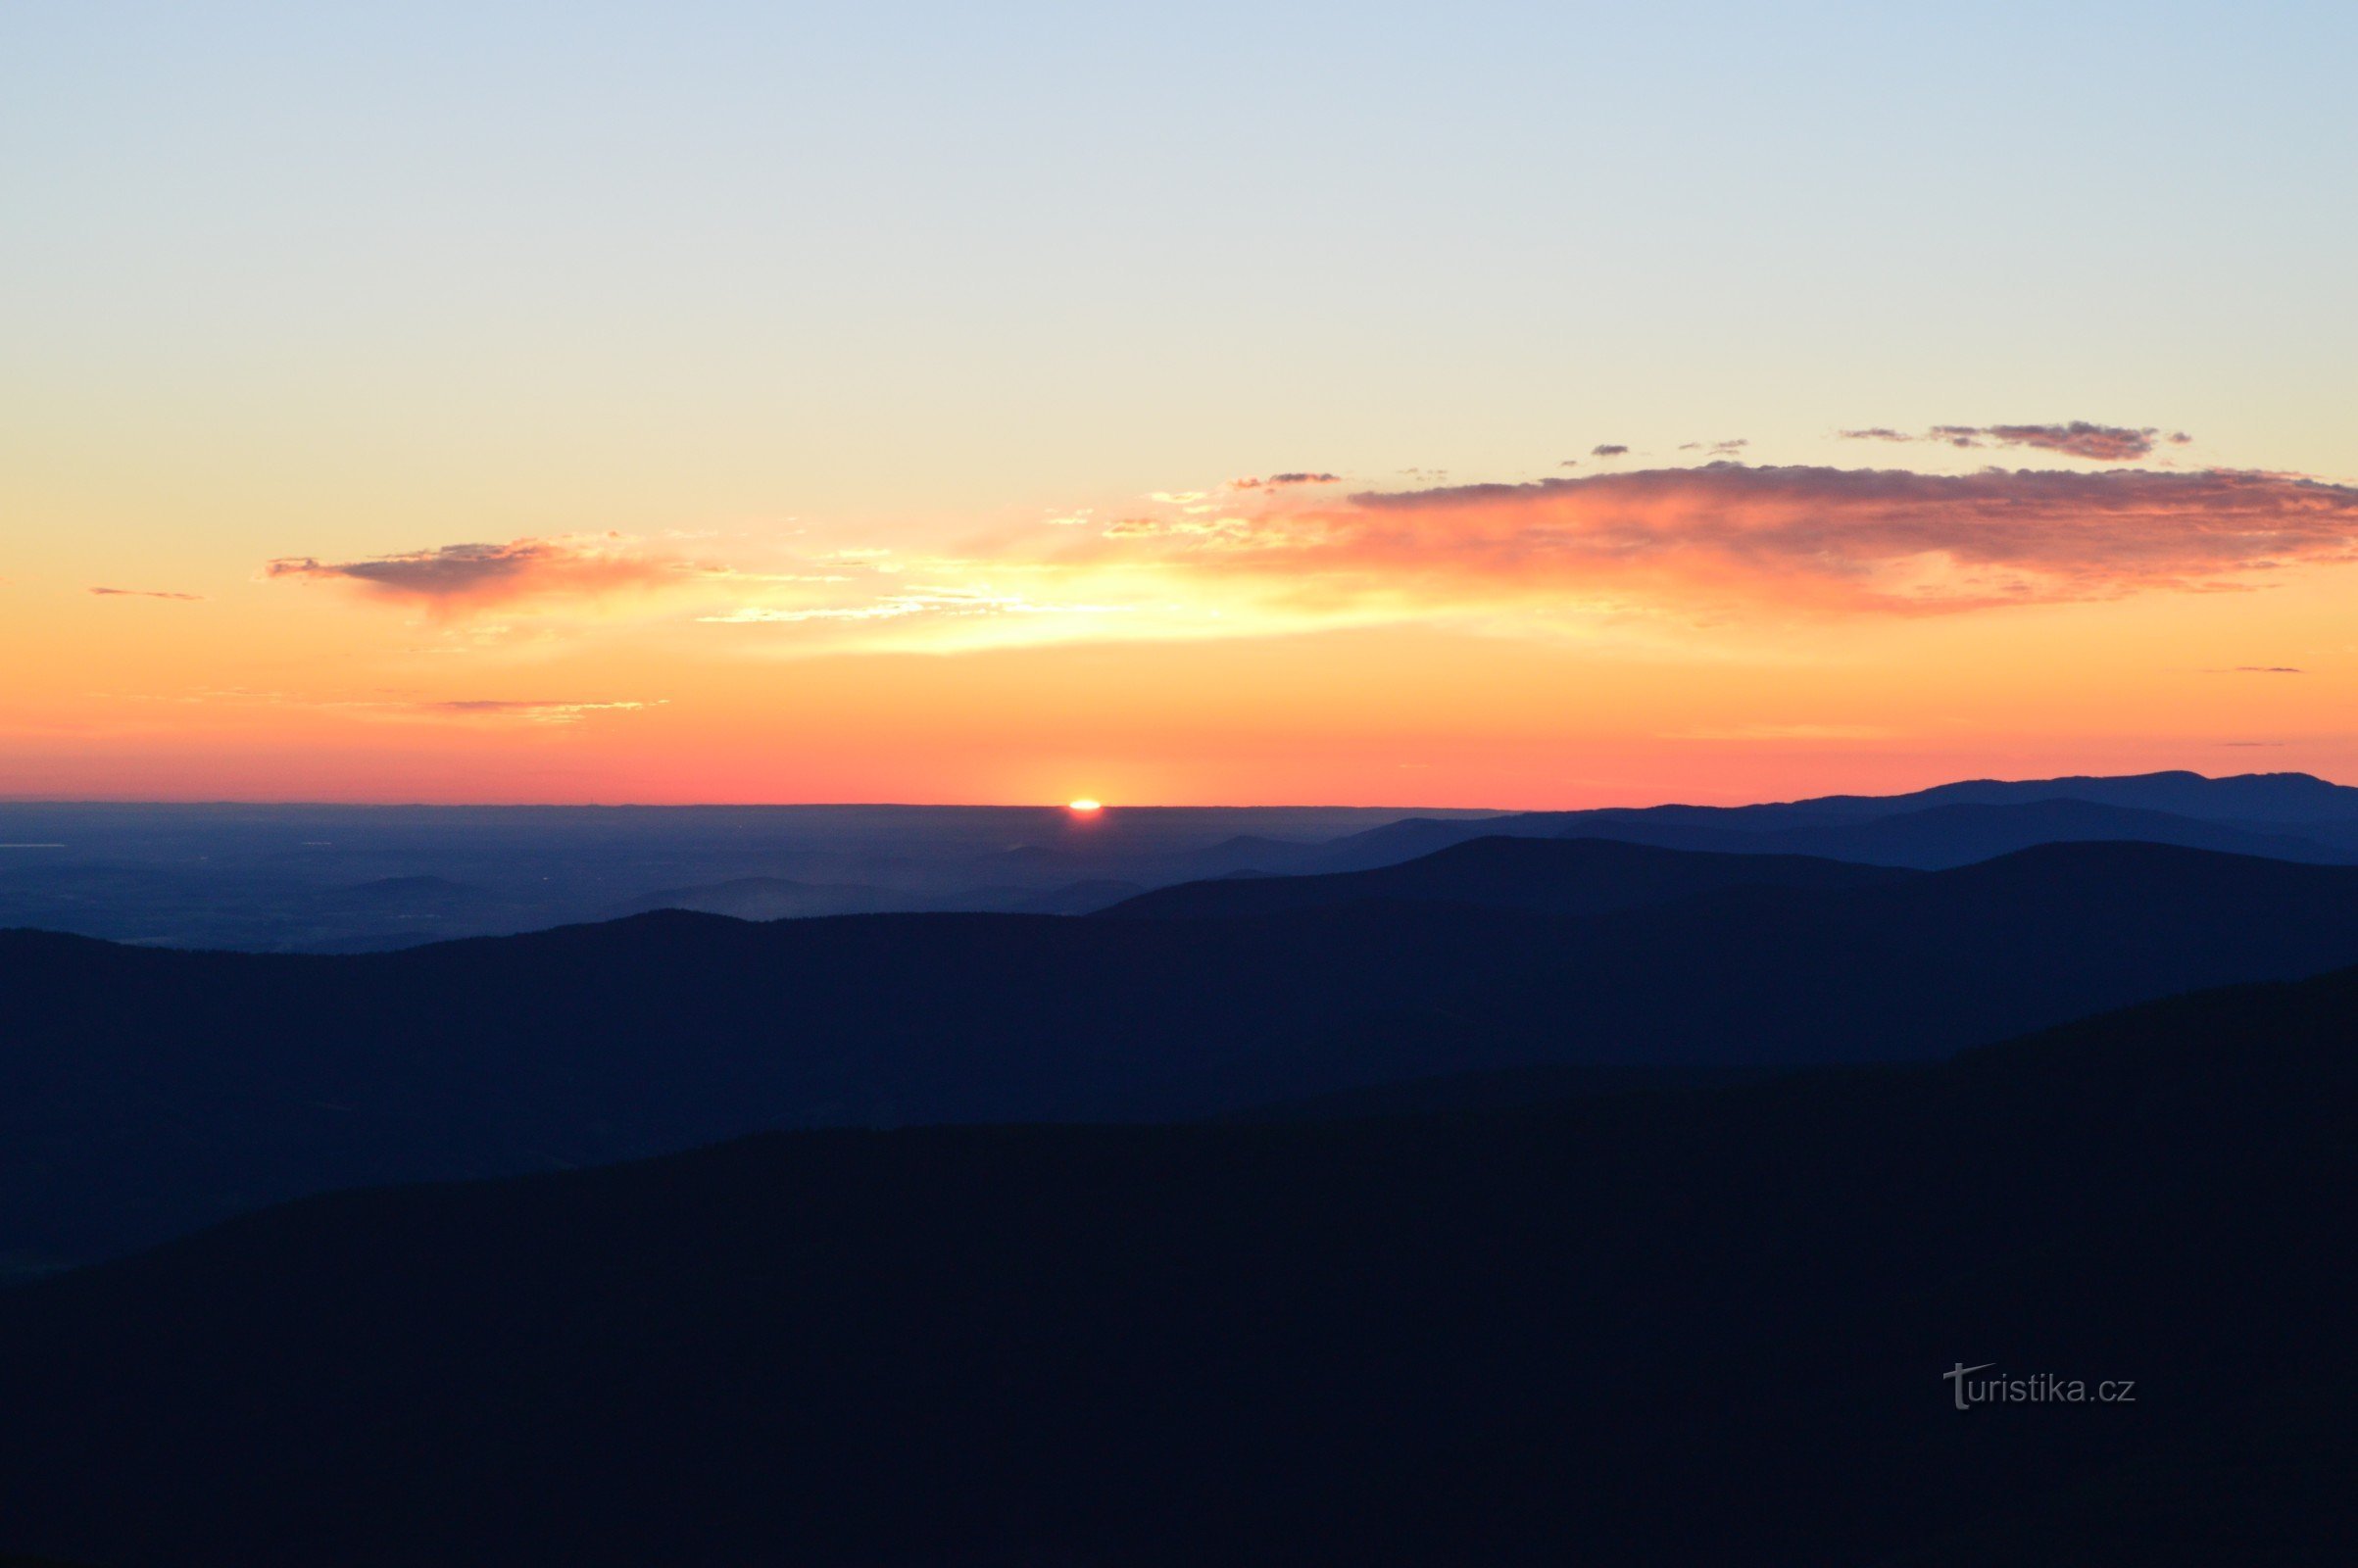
{"points": [[1667, 1325], [144, 1092]]}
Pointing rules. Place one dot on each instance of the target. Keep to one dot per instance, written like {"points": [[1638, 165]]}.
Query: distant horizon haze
{"points": [[1083, 811]]}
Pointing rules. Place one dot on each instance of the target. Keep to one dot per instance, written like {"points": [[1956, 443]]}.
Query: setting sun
{"points": [[1085, 807]]}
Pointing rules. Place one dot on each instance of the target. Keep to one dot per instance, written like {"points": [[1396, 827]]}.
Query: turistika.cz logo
{"points": [[2039, 1388]]}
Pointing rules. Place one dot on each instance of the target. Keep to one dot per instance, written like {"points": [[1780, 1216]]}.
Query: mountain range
{"points": [[353, 879], [1670, 1324], [934, 1185], [145, 1093]]}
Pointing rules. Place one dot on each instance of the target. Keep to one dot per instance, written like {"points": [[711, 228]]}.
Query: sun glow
{"points": [[1084, 806]]}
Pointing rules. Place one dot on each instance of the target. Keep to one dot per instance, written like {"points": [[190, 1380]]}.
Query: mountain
{"points": [[287, 878], [766, 897], [145, 1093], [2284, 815], [1702, 1325], [1573, 878], [1941, 836], [2283, 799], [360, 879]]}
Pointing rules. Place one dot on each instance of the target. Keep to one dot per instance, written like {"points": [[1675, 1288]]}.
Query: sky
{"points": [[1492, 404]]}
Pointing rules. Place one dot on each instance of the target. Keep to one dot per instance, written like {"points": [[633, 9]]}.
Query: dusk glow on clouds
{"points": [[1723, 538], [1755, 607], [1284, 555], [517, 403], [1831, 539]]}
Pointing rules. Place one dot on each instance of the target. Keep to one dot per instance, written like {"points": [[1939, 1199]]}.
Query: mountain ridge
{"points": [[144, 1092], [1509, 1336]]}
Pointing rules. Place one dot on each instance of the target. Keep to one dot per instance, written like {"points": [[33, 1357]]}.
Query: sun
{"points": [[1084, 806]]}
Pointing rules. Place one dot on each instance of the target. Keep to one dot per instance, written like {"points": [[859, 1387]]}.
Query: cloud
{"points": [[1783, 732], [1274, 482], [2265, 669], [2100, 443], [491, 573], [406, 708], [143, 593], [1823, 539], [1610, 449], [941, 602], [1238, 529], [531, 712]]}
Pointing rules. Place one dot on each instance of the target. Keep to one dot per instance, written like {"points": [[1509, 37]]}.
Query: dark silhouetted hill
{"points": [[766, 897], [1584, 876], [144, 1092], [1694, 1326], [2284, 815], [1941, 836]]}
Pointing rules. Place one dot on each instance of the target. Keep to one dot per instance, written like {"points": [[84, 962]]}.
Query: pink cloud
{"points": [[1841, 539]]}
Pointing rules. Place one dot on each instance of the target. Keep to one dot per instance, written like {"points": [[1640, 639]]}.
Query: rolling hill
{"points": [[2285, 816], [146, 1093], [1568, 877], [1530, 1336]]}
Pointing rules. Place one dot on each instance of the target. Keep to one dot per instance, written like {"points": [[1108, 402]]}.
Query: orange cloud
{"points": [[531, 712], [1840, 539]]}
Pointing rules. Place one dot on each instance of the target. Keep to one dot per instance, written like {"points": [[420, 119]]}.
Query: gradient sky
{"points": [[745, 402]]}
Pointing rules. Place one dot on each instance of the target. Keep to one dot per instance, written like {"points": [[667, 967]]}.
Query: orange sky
{"points": [[1709, 632], [1551, 406]]}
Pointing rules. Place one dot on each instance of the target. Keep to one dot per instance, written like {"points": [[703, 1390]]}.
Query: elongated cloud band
{"points": [[531, 712], [1724, 538], [486, 573], [2100, 443], [1803, 536]]}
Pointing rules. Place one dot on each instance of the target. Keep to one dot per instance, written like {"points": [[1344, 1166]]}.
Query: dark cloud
{"points": [[142, 593], [1610, 449], [1279, 481], [488, 572], [2266, 669], [2100, 443]]}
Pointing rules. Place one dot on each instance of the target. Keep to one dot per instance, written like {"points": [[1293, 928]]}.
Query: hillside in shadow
{"points": [[1661, 1326], [146, 1093]]}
